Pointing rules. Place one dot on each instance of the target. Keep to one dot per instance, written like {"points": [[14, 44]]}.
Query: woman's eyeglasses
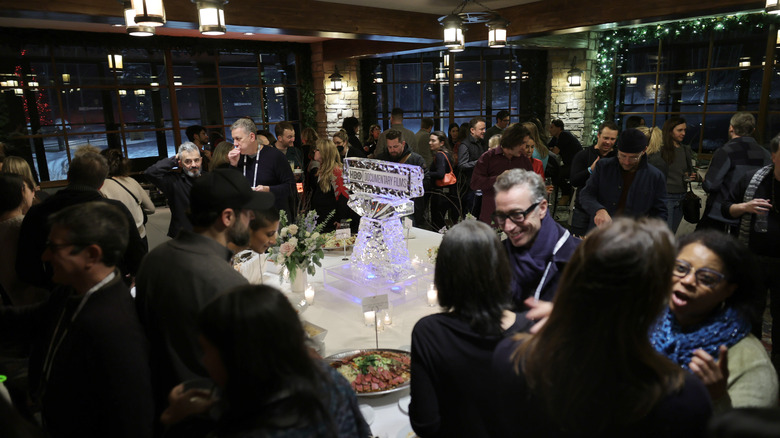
{"points": [[704, 276]]}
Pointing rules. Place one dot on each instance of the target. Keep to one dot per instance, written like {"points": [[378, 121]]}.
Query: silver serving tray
{"points": [[345, 354]]}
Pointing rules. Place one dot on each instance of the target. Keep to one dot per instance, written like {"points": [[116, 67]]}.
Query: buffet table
{"points": [[344, 321]]}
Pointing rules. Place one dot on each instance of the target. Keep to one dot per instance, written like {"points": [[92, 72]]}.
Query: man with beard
{"points": [[182, 275], [397, 151], [582, 167], [174, 177], [625, 185]]}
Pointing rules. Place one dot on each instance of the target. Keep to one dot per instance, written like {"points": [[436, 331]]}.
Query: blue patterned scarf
{"points": [[724, 327]]}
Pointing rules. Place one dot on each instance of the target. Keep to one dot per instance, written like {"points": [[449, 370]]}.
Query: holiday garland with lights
{"points": [[613, 46]]}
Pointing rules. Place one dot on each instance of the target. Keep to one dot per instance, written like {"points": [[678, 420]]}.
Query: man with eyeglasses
{"points": [[89, 361], [174, 177], [537, 246], [625, 185], [86, 174], [502, 121]]}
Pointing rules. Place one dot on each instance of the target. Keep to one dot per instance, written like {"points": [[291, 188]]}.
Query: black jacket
{"points": [[176, 186]]}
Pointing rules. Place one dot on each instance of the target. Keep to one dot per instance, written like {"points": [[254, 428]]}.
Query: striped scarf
{"points": [[744, 222]]}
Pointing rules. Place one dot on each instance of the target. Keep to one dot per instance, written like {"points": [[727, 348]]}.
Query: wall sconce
{"points": [[123, 92], [453, 30], [132, 27], [149, 12], [630, 80], [278, 91], [446, 60], [18, 91], [772, 7], [744, 61], [336, 80], [115, 62], [211, 15], [575, 74], [497, 33], [65, 78], [139, 92], [777, 42], [510, 75]]}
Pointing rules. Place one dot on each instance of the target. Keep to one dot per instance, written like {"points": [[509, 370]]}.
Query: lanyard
{"points": [[53, 348], [257, 160], [558, 246]]}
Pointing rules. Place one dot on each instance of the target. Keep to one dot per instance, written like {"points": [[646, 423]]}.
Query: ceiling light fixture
{"points": [[211, 16], [454, 25], [149, 12], [132, 27]]}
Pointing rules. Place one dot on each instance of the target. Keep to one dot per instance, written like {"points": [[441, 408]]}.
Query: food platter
{"points": [[333, 244], [389, 374]]}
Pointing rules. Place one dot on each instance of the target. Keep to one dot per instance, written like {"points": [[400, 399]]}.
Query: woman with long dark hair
{"points": [[444, 198], [674, 160], [254, 349], [706, 327], [371, 140], [352, 125], [452, 135], [590, 370], [452, 387]]}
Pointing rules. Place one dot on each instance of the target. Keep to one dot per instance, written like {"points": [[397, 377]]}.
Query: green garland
{"points": [[613, 48]]}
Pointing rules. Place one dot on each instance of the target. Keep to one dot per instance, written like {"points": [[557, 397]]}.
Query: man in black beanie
{"points": [[625, 185]]}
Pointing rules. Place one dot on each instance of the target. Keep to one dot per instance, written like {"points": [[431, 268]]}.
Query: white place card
{"points": [[375, 303]]}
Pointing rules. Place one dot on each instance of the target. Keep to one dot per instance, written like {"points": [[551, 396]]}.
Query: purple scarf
{"points": [[528, 263]]}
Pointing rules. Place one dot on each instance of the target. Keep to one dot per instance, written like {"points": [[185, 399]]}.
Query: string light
{"points": [[613, 49]]}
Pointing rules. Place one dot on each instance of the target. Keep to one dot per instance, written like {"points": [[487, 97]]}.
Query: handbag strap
{"points": [[126, 189], [448, 161]]}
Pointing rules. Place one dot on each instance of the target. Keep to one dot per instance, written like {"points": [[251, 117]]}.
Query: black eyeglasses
{"points": [[706, 277], [517, 216]]}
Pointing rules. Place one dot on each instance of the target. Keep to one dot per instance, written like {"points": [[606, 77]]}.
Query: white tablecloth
{"points": [[347, 331]]}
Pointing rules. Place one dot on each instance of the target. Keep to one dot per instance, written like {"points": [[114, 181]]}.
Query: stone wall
{"points": [[573, 105], [334, 106]]}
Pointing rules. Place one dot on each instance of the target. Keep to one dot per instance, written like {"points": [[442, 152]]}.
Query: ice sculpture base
{"points": [[354, 284]]}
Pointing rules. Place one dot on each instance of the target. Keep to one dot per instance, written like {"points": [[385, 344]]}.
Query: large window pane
{"points": [[197, 69], [238, 69]]}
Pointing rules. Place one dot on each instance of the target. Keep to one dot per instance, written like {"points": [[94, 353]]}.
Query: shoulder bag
{"points": [[449, 177]]}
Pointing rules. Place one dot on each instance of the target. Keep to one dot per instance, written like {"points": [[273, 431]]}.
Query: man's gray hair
{"points": [[246, 124], [743, 123], [188, 146], [519, 177]]}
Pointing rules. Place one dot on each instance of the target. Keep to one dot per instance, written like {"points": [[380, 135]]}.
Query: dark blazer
{"points": [[99, 384]]}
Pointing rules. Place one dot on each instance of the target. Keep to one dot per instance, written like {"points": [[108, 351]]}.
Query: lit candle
{"points": [[432, 296], [416, 260], [387, 319], [309, 295], [379, 326], [369, 317]]}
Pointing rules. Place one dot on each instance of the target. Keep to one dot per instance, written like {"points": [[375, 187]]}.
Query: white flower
{"points": [[293, 229], [293, 241], [307, 234], [315, 235], [280, 259], [283, 232]]}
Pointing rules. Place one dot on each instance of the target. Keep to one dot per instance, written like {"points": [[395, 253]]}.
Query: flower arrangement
{"points": [[299, 245]]}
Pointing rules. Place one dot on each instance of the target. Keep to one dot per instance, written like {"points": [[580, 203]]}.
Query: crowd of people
{"points": [[606, 326]]}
